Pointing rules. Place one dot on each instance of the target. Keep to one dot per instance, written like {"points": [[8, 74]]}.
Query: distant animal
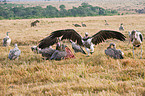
{"points": [[77, 48], [83, 25], [121, 27], [87, 42], [7, 40], [77, 25], [113, 52], [34, 23], [136, 38], [106, 22], [14, 53]]}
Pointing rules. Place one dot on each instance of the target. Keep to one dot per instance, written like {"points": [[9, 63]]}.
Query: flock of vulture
{"points": [[77, 41]]}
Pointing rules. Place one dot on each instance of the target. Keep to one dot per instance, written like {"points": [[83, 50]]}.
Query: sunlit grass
{"points": [[95, 75]]}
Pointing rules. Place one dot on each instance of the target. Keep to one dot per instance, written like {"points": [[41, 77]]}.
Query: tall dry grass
{"points": [[95, 75]]}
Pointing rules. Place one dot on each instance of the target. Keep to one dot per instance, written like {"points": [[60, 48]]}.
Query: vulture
{"points": [[61, 51], [46, 52], [136, 38], [7, 40], [14, 53], [106, 22], [77, 48], [121, 27], [83, 25], [77, 25], [87, 42], [113, 52], [62, 54], [35, 49]]}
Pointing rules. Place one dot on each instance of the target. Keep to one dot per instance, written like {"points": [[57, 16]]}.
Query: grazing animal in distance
{"points": [[7, 40], [121, 27], [77, 48], [106, 22], [83, 25], [77, 25], [87, 42], [34, 23], [136, 38], [113, 52], [14, 53]]}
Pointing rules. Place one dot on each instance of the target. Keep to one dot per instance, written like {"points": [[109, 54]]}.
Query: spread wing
{"points": [[103, 35], [46, 42], [70, 34]]}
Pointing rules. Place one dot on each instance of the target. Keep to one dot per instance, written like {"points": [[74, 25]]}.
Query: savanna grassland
{"points": [[126, 6], [95, 75]]}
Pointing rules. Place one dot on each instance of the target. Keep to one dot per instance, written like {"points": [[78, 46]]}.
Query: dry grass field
{"points": [[83, 76]]}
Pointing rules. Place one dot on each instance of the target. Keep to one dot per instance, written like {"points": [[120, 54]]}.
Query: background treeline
{"points": [[140, 11], [12, 11]]}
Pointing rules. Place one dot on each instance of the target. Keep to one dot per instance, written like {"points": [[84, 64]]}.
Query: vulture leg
{"points": [[141, 52], [92, 48], [133, 52], [88, 51]]}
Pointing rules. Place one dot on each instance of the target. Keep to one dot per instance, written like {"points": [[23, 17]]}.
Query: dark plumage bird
{"points": [[62, 54], [136, 38], [7, 40], [84, 25], [46, 52], [87, 42], [77, 25], [35, 49], [14, 53], [113, 52], [106, 22], [121, 27], [48, 41], [77, 48]]}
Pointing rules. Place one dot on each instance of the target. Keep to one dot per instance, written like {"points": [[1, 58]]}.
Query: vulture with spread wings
{"points": [[87, 42]]}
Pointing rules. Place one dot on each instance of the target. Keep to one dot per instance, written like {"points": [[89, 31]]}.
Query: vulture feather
{"points": [[88, 42]]}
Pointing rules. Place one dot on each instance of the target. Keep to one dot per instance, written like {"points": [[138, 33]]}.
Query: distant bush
{"points": [[15, 11]]}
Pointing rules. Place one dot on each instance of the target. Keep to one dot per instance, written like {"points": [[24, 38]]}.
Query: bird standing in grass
{"points": [[84, 25], [77, 25], [64, 53], [106, 23], [46, 52], [113, 52], [136, 38], [14, 53], [121, 27], [77, 48], [7, 40]]}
